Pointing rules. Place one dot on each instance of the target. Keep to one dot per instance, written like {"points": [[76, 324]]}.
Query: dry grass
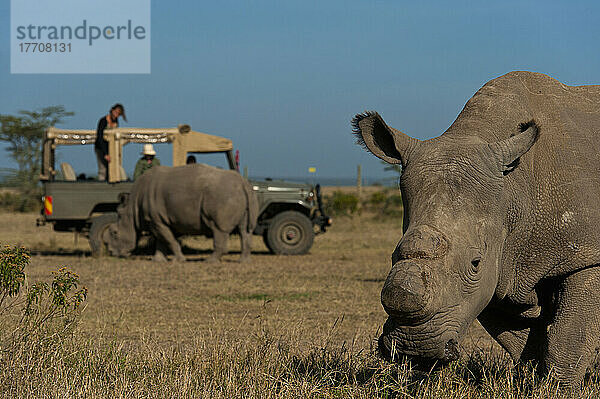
{"points": [[274, 327], [341, 277]]}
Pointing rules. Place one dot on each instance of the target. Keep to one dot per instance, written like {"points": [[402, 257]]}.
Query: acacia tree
{"points": [[23, 133], [396, 168]]}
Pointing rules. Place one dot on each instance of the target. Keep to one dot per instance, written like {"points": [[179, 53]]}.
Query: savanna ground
{"points": [[275, 327]]}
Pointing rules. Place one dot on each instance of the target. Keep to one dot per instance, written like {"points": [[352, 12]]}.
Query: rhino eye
{"points": [[475, 263]]}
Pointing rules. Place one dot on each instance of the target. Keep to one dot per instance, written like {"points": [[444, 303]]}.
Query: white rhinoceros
{"points": [[502, 223], [190, 199]]}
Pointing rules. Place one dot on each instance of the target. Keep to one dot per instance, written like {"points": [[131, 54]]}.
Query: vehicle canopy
{"points": [[183, 138]]}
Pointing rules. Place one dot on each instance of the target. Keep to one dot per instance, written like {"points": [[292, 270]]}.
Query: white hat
{"points": [[148, 150]]}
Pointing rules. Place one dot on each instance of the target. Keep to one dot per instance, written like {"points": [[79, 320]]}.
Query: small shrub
{"points": [[340, 203], [393, 205], [12, 275], [30, 314], [18, 202], [385, 202], [377, 198]]}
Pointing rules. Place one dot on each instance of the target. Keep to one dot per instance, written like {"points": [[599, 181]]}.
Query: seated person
{"points": [[147, 161]]}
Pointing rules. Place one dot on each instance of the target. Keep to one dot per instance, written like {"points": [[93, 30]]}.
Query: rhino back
{"points": [[552, 197], [185, 197]]}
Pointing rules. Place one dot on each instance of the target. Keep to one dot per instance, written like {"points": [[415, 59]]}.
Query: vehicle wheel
{"points": [[98, 236], [290, 233], [265, 237]]}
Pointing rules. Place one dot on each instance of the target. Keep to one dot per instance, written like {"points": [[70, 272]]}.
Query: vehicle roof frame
{"points": [[183, 139]]}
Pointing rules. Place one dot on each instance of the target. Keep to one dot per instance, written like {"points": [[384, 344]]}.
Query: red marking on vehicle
{"points": [[48, 205]]}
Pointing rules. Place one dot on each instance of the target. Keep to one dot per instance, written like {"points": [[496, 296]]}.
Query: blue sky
{"points": [[282, 79]]}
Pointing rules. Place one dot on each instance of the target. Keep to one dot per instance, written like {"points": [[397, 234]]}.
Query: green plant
{"points": [[12, 274], [34, 313], [377, 198], [385, 202], [393, 205], [19, 202], [340, 203]]}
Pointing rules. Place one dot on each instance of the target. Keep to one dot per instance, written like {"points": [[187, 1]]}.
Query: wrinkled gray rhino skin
{"points": [[502, 223], [190, 199]]}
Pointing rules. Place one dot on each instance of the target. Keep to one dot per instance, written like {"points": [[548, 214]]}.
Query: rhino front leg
{"points": [[166, 238], [522, 338], [160, 255], [574, 334]]}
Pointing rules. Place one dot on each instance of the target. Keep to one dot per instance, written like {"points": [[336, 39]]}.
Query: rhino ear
{"points": [[384, 142], [510, 150]]}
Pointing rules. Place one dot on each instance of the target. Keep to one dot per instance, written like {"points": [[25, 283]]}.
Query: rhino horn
{"points": [[510, 150], [384, 142]]}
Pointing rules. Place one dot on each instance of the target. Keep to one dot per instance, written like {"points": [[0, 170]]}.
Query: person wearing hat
{"points": [[146, 162], [101, 146]]}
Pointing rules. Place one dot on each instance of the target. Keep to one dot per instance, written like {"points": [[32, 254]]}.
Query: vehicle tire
{"points": [[265, 237], [290, 233], [98, 234]]}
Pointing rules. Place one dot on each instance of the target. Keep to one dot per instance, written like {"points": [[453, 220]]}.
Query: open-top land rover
{"points": [[290, 214]]}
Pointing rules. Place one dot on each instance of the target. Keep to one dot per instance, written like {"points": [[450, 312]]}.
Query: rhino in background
{"points": [[501, 223], [190, 199]]}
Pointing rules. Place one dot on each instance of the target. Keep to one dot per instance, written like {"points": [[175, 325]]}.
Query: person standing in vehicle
{"points": [[146, 162], [101, 146]]}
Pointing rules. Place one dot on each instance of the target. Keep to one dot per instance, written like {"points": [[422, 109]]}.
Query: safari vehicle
{"points": [[290, 214]]}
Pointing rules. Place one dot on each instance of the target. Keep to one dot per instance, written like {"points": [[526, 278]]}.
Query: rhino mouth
{"points": [[423, 344]]}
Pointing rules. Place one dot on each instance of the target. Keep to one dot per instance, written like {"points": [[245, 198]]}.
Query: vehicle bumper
{"points": [[323, 221]]}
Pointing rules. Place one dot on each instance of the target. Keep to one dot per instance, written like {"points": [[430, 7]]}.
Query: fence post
{"points": [[358, 185]]}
